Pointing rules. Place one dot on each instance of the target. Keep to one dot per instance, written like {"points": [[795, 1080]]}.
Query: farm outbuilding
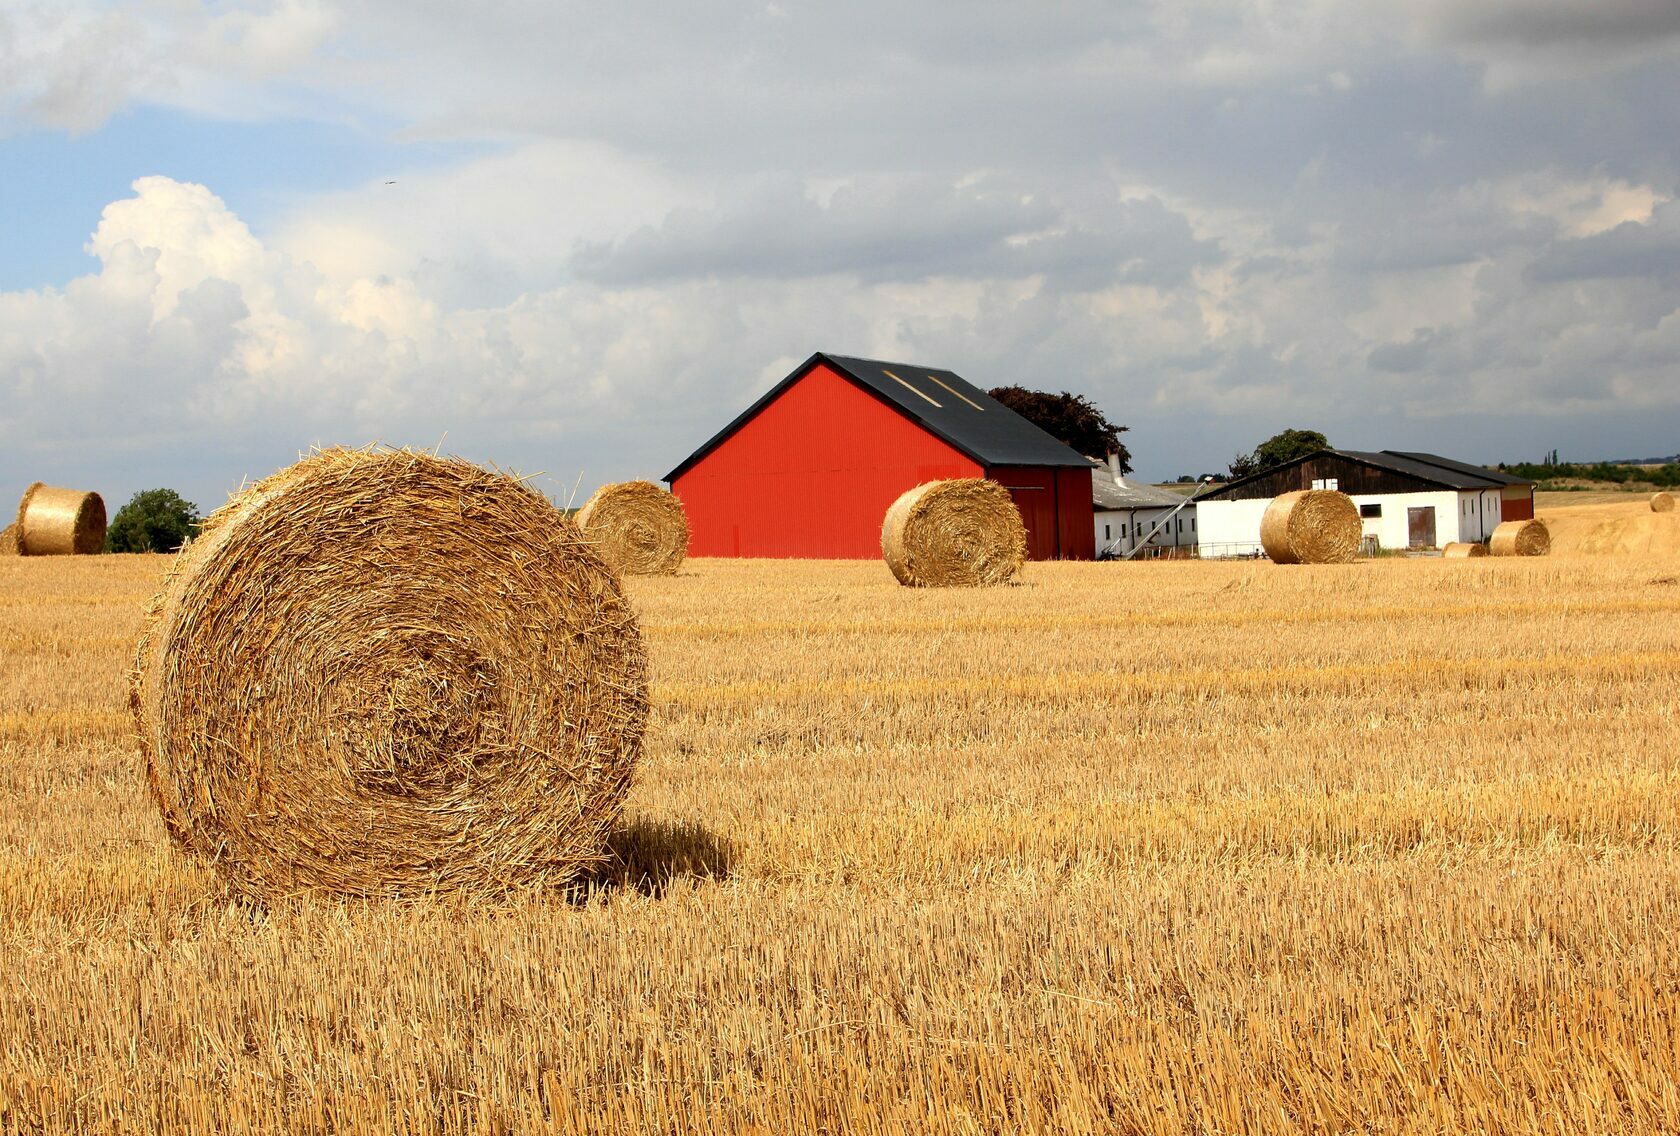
{"points": [[1405, 499], [809, 470], [1126, 513]]}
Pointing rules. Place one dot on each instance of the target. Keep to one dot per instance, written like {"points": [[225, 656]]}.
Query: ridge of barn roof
{"points": [[1498, 477], [942, 402], [1430, 468]]}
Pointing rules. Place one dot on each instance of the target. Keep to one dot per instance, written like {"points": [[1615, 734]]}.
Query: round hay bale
{"points": [[1463, 550], [962, 533], [1311, 526], [9, 540], [638, 528], [60, 522], [384, 673], [1520, 538], [1662, 502]]}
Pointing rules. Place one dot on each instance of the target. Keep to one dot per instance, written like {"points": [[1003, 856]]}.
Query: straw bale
{"points": [[961, 533], [638, 528], [384, 673], [60, 522], [1461, 550], [1311, 526], [9, 540], [1662, 502], [1520, 538]]}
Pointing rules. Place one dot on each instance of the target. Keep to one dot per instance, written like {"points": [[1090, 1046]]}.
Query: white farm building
{"points": [[1126, 514], [1406, 500]]}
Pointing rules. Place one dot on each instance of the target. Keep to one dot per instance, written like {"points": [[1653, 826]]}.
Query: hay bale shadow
{"points": [[647, 856]]}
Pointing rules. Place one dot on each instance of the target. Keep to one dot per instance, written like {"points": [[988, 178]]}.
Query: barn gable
{"points": [[942, 402]]}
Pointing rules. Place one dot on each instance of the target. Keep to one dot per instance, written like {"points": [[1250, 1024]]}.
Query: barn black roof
{"points": [[941, 402], [1427, 469], [1496, 476]]}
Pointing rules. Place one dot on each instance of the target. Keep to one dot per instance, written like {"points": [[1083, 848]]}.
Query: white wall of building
{"points": [[1478, 514], [1232, 528], [1393, 527], [1123, 529], [1229, 528]]}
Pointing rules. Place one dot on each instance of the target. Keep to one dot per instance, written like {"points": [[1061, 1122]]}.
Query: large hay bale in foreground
{"points": [[1463, 550], [60, 522], [1662, 502], [961, 533], [638, 528], [1520, 538], [9, 540], [385, 673], [1311, 526]]}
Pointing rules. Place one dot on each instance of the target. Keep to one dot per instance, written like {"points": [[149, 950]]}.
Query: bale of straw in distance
{"points": [[9, 540], [1463, 550], [1311, 526], [384, 673], [60, 522], [1662, 502], [638, 528], [961, 533], [1520, 538]]}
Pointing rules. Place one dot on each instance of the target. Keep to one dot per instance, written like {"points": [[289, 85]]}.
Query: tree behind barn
{"points": [[1284, 446], [1070, 418]]}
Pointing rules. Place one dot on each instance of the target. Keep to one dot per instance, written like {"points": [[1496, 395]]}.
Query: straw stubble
{"points": [[387, 673]]}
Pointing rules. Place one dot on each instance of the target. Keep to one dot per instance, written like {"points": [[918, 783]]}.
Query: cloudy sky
{"points": [[577, 238]]}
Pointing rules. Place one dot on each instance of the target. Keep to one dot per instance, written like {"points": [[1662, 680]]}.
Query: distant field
{"points": [[1597, 494], [1134, 848]]}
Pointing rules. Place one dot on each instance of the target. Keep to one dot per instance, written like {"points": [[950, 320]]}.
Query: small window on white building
{"points": [[1105, 532], [1374, 509]]}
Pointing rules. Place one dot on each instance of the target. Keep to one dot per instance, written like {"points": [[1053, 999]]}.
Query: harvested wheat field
{"points": [[1612, 528], [1178, 848]]}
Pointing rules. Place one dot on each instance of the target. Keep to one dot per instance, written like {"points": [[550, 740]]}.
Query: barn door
{"points": [[1420, 527], [1034, 492]]}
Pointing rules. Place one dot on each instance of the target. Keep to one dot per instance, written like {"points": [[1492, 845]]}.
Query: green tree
{"points": [[1284, 446], [1070, 418], [154, 520]]}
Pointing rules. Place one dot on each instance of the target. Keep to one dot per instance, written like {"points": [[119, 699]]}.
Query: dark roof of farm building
{"points": [[1427, 469], [1496, 476], [942, 402]]}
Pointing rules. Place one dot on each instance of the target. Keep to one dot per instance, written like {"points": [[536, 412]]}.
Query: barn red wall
{"points": [[1076, 521], [1055, 503], [1034, 490], [1516, 503], [811, 475]]}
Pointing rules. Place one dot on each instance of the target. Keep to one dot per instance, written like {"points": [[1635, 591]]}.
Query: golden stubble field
{"points": [[1170, 848]]}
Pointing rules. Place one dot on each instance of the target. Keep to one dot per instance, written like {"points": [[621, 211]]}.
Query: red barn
{"points": [[809, 469]]}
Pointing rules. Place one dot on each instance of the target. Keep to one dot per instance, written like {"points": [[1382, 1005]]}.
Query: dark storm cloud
{"points": [[1630, 249], [1534, 23]]}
